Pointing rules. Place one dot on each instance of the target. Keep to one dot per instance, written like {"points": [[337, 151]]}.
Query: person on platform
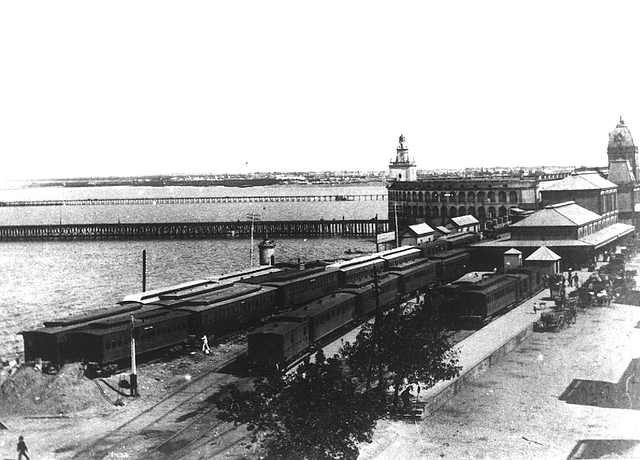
{"points": [[205, 345], [576, 280], [535, 308], [22, 449]]}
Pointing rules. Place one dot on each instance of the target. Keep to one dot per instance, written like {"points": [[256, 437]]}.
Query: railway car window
{"points": [[113, 343], [107, 346]]}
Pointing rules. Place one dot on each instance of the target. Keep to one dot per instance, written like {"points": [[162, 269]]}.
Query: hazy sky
{"points": [[146, 87]]}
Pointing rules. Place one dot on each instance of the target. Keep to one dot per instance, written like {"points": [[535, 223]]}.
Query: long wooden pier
{"points": [[303, 228], [196, 200]]}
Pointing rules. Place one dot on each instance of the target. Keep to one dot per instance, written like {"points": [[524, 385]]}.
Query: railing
{"points": [[196, 200], [322, 228]]}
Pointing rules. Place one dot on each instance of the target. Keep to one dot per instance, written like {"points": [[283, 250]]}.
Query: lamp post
{"points": [[253, 217]]}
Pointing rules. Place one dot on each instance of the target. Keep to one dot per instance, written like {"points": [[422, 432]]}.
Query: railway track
{"points": [[183, 419]]}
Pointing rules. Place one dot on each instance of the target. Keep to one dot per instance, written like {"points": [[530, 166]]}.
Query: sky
{"points": [[200, 87]]}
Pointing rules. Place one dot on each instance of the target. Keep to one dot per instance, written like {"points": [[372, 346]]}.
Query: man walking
{"points": [[22, 449]]}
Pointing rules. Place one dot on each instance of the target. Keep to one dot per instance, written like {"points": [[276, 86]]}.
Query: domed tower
{"points": [[623, 156]]}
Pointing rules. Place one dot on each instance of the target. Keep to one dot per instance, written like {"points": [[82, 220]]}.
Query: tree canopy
{"points": [[405, 345], [315, 413]]}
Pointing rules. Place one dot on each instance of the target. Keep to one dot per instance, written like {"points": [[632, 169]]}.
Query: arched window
{"points": [[404, 196], [427, 212], [492, 212], [435, 212], [481, 213], [502, 212], [462, 197], [471, 197], [443, 211], [414, 211], [453, 212], [420, 196], [491, 196], [462, 211], [434, 197], [513, 196], [420, 211], [414, 196], [481, 197], [502, 197], [471, 211]]}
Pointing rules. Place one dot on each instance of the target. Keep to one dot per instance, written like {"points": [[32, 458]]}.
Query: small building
{"points": [[545, 260], [441, 230], [417, 234], [463, 224], [512, 259]]}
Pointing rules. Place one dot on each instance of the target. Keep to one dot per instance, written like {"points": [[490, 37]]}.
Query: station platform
{"points": [[485, 347]]}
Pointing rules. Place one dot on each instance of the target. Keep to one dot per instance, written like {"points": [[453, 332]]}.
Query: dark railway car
{"points": [[324, 315], [366, 296], [400, 256], [108, 341], [534, 274], [416, 276], [55, 342], [460, 240], [354, 275], [277, 343], [301, 286], [523, 285], [227, 310], [451, 264], [432, 247], [487, 297]]}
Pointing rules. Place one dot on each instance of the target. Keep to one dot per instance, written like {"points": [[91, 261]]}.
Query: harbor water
{"points": [[52, 279]]}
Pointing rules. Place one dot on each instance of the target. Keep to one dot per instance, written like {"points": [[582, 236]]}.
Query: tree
{"points": [[405, 345], [315, 413]]}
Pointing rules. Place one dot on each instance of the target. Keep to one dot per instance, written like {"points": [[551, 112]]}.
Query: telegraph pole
{"points": [[144, 270]]}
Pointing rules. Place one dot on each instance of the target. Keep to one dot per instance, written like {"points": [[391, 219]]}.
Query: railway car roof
{"points": [[292, 280], [276, 328], [472, 277], [319, 306], [149, 322], [224, 301], [92, 315], [153, 294], [412, 266]]}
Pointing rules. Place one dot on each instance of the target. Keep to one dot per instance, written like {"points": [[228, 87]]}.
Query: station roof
{"points": [[543, 254], [419, 229], [567, 214], [581, 181], [464, 221]]}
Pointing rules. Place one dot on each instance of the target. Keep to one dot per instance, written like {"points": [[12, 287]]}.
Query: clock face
{"points": [[619, 137]]}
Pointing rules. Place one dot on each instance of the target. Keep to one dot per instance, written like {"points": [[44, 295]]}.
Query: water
{"points": [[44, 280]]}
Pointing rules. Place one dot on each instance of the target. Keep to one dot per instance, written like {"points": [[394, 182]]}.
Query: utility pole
{"points": [[144, 270], [395, 214], [134, 373], [253, 217]]}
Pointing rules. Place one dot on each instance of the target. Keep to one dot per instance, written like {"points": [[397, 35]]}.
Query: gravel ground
{"points": [[513, 411]]}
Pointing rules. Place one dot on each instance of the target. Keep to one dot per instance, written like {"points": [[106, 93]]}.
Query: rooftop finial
{"points": [[401, 140], [621, 121]]}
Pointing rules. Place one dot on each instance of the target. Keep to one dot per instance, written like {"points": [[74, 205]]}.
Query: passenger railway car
{"points": [[278, 342], [488, 296], [300, 286], [451, 264], [108, 341], [324, 315], [55, 341], [227, 310], [366, 294], [400, 256], [416, 276]]}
